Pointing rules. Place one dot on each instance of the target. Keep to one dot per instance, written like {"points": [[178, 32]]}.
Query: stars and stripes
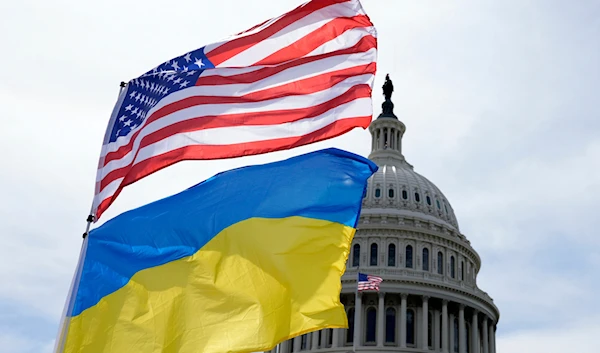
{"points": [[296, 79], [368, 282]]}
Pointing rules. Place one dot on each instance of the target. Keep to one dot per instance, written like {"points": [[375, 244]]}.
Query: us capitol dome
{"points": [[408, 235]]}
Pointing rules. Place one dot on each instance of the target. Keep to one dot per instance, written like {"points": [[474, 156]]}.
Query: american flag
{"points": [[368, 282], [293, 80]]}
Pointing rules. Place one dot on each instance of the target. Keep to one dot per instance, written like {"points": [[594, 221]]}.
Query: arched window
{"points": [[391, 255], [356, 255], [430, 330], [425, 259], [409, 256], [303, 342], [350, 331], [373, 261], [410, 326], [438, 204], [391, 193], [445, 207], [404, 195], [440, 263], [390, 325], [455, 348], [428, 199], [462, 270], [452, 267], [371, 324], [378, 193], [417, 197]]}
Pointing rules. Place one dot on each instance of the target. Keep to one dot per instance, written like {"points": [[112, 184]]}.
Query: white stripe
{"points": [[245, 134], [344, 41], [107, 192], [292, 33], [287, 103], [292, 74], [211, 47]]}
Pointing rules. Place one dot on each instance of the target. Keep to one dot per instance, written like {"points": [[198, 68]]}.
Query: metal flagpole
{"points": [[356, 309], [72, 294]]}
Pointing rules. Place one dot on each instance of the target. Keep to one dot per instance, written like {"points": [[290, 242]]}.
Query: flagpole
{"points": [[356, 309], [72, 294]]}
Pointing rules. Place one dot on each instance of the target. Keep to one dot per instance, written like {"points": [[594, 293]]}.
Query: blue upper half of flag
{"points": [[326, 185], [362, 277], [144, 93]]}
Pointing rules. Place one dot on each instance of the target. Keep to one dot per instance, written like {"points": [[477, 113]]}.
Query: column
{"points": [[315, 340], [297, 341], [484, 332], [358, 320], [492, 339], [437, 323], [336, 338], [474, 333], [284, 347], [403, 320], [445, 326], [380, 316], [425, 324], [462, 347], [451, 317]]}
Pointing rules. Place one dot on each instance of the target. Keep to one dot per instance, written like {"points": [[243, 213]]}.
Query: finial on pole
{"points": [[388, 88]]}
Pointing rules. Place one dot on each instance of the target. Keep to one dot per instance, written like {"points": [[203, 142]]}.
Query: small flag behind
{"points": [[238, 263], [368, 282], [300, 78]]}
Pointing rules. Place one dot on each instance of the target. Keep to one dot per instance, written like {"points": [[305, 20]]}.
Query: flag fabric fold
{"points": [[296, 79], [238, 263]]}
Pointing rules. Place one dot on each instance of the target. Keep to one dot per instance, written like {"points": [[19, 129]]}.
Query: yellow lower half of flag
{"points": [[255, 284]]}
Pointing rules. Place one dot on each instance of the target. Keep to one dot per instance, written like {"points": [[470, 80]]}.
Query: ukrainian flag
{"points": [[238, 263]]}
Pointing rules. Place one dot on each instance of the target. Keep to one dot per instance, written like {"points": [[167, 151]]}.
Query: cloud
{"points": [[579, 337]]}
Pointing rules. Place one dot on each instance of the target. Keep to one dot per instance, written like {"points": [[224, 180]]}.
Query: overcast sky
{"points": [[500, 98]]}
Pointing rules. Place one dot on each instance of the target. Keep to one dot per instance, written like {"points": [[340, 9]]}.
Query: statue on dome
{"points": [[388, 88]]}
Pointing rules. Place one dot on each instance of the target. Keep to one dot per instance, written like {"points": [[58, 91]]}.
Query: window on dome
{"points": [[409, 256], [350, 331], [378, 193], [410, 326], [438, 204], [428, 199], [440, 263], [373, 261], [391, 193], [462, 270], [391, 255], [445, 207], [371, 324], [404, 195], [356, 255], [417, 197], [452, 267], [425, 259], [390, 325]]}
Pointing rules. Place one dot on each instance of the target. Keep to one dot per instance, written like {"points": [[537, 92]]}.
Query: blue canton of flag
{"points": [[144, 92]]}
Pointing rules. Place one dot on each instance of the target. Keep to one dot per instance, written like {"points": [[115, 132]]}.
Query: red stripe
{"points": [[206, 152], [315, 39], [302, 87], [365, 44], [259, 118], [230, 49]]}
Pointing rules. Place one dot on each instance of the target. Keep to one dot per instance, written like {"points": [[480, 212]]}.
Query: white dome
{"points": [[396, 189], [405, 192]]}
